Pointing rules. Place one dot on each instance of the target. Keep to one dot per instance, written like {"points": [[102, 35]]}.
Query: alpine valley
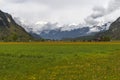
{"points": [[14, 29]]}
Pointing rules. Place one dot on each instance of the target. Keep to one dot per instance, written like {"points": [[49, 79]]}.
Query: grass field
{"points": [[60, 61]]}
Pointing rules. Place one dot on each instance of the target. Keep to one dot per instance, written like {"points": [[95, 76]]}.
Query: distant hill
{"points": [[10, 31], [58, 34]]}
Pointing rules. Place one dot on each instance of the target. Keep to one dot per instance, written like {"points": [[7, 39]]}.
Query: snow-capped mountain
{"points": [[56, 31], [99, 28], [73, 33]]}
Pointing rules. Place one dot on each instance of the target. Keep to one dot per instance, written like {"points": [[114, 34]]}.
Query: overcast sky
{"points": [[61, 11]]}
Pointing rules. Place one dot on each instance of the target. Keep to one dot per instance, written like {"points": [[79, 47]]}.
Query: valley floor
{"points": [[60, 61]]}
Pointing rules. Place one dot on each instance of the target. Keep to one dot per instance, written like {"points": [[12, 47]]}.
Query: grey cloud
{"points": [[91, 21], [99, 11], [113, 5]]}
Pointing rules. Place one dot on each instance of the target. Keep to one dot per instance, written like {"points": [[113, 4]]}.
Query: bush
{"points": [[105, 38]]}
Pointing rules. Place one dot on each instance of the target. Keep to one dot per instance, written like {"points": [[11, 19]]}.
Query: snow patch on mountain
{"points": [[99, 28]]}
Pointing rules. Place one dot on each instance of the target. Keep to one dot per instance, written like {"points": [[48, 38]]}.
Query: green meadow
{"points": [[60, 61]]}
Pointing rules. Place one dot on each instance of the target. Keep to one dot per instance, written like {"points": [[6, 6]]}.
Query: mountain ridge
{"points": [[53, 31], [10, 30], [59, 33]]}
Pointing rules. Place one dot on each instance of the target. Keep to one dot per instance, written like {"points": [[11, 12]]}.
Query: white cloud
{"points": [[61, 11]]}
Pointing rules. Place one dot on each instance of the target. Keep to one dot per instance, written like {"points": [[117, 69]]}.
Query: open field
{"points": [[60, 61]]}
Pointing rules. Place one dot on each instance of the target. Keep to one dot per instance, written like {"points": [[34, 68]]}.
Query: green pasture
{"points": [[41, 61]]}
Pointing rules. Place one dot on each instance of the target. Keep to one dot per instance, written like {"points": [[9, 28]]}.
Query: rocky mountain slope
{"points": [[114, 31], [10, 31]]}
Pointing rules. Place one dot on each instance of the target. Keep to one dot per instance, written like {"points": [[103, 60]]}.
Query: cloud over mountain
{"points": [[100, 11], [56, 13]]}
